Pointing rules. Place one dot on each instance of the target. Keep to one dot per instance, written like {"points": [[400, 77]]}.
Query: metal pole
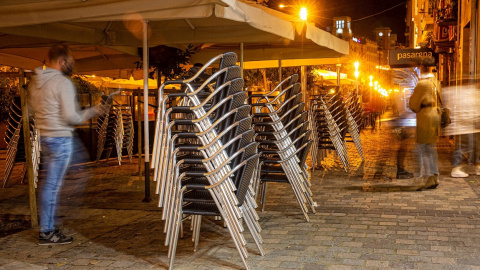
{"points": [[139, 135], [280, 72], [90, 148], [303, 70], [28, 152], [145, 113], [338, 74], [357, 86]]}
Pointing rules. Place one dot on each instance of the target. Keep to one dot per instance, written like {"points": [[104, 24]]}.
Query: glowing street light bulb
{"points": [[356, 73], [303, 14], [356, 65], [281, 6]]}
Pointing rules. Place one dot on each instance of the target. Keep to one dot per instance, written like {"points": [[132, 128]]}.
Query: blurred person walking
{"points": [[55, 107], [424, 103], [463, 101]]}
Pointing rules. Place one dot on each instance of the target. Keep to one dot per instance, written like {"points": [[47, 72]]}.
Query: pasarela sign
{"points": [[411, 58]]}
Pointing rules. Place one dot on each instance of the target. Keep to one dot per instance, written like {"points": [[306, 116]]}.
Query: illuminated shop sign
{"points": [[411, 58]]}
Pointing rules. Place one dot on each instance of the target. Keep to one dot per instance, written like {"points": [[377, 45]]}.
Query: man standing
{"points": [[54, 102]]}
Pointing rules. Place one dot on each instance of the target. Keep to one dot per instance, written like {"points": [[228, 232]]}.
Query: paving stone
{"points": [[366, 219]]}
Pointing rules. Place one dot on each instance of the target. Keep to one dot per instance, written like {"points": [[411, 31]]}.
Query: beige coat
{"points": [[424, 103]]}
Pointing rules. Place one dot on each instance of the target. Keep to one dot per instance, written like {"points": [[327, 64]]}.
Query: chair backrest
{"points": [[246, 177], [232, 74], [228, 59], [294, 107], [303, 139], [243, 111], [243, 126], [294, 135], [247, 137], [250, 150], [236, 101], [303, 154]]}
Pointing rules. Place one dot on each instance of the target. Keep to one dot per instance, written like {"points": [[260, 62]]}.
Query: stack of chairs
{"points": [[356, 109], [16, 144], [353, 115], [205, 160], [284, 140], [313, 126], [127, 121], [110, 131], [329, 111]]}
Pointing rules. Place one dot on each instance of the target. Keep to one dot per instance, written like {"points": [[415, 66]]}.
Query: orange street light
{"points": [[356, 65], [303, 14]]}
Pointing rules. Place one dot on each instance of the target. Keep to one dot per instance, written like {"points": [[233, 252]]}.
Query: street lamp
{"points": [[303, 11], [356, 73], [303, 14], [371, 85]]}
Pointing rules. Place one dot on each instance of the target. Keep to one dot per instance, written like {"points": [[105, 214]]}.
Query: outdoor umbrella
{"points": [[88, 58], [124, 23]]}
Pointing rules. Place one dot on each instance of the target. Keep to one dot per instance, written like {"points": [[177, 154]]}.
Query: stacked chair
{"points": [[332, 119], [284, 140], [205, 159], [15, 142], [127, 121], [355, 106], [111, 131], [329, 112], [353, 115], [314, 135]]}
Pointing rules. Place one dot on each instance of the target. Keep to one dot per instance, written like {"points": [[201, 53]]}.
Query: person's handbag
{"points": [[444, 113], [445, 117]]}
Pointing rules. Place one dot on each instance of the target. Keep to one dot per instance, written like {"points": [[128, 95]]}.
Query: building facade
{"points": [[434, 24], [371, 54]]}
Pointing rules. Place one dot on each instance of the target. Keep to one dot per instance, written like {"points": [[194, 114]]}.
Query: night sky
{"points": [[322, 12]]}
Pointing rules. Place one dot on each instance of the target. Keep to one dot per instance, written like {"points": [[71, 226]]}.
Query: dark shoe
{"points": [[65, 230], [403, 174], [54, 237]]}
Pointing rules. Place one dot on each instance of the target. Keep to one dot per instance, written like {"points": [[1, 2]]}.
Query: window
{"points": [[340, 24]]}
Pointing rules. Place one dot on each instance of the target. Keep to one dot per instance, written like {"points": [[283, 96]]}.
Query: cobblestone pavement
{"points": [[366, 219]]}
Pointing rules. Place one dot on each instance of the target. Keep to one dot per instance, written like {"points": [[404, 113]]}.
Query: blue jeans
{"points": [[56, 153], [428, 158], [466, 146]]}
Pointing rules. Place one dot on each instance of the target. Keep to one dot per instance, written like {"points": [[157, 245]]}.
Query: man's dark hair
{"points": [[58, 51]]}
